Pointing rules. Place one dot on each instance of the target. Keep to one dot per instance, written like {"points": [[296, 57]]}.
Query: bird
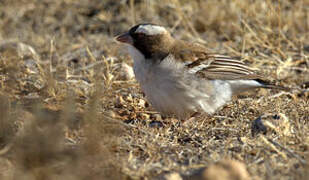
{"points": [[181, 78]]}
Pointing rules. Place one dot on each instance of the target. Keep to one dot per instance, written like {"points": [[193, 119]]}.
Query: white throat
{"points": [[140, 66], [136, 55]]}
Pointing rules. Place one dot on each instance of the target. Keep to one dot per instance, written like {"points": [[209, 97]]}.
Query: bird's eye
{"points": [[140, 35]]}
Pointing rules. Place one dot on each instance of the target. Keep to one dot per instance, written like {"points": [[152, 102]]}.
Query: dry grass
{"points": [[68, 113]]}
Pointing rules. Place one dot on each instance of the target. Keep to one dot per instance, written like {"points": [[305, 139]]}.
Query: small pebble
{"points": [[258, 127], [155, 124]]}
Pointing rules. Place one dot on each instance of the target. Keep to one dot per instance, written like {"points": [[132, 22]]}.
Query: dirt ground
{"points": [[70, 108]]}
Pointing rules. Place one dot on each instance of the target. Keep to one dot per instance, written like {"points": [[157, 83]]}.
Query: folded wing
{"points": [[213, 66], [217, 67]]}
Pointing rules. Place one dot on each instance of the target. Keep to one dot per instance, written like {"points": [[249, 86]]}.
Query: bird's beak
{"points": [[125, 38]]}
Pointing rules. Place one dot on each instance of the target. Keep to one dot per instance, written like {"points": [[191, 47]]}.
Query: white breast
{"points": [[172, 91]]}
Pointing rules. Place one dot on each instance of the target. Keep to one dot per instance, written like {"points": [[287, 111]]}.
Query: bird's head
{"points": [[151, 40]]}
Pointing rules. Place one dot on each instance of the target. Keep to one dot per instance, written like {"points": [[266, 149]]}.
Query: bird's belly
{"points": [[173, 92], [169, 97], [165, 90]]}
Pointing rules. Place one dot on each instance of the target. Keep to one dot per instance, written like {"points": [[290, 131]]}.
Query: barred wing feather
{"points": [[221, 67]]}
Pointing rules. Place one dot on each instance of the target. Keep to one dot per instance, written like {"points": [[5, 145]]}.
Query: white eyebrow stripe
{"points": [[150, 29]]}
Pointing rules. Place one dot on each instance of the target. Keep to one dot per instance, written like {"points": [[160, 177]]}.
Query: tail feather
{"points": [[269, 85]]}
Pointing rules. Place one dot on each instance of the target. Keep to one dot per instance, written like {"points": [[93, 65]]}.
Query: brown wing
{"points": [[211, 66], [222, 67], [214, 66], [226, 68]]}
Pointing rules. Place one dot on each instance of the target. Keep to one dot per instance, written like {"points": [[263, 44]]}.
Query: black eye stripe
{"points": [[140, 34], [133, 29]]}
